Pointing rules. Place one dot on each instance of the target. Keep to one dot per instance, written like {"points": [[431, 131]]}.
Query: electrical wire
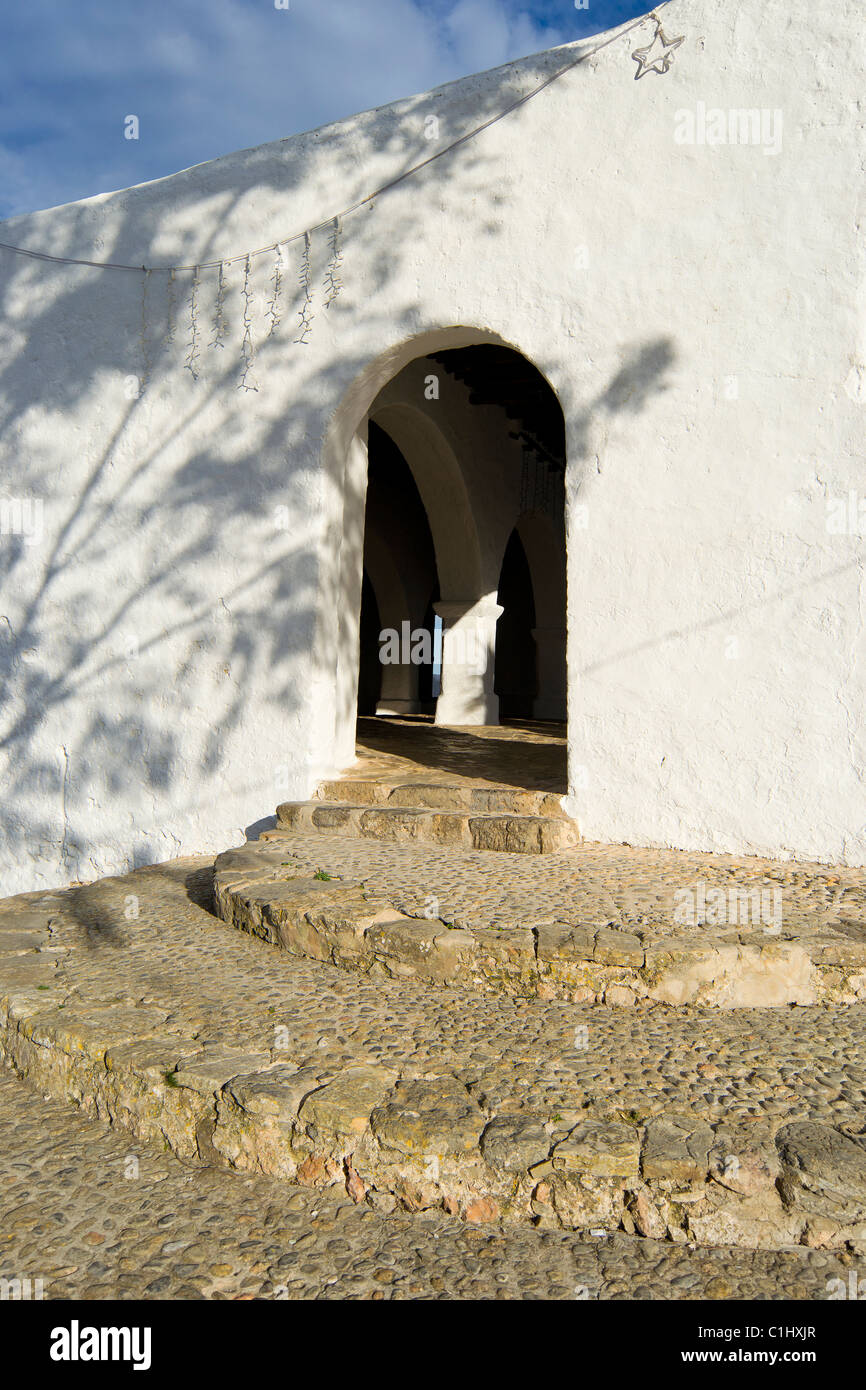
{"points": [[329, 222]]}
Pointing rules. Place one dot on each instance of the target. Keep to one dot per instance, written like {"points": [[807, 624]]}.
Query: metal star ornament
{"points": [[658, 55]]}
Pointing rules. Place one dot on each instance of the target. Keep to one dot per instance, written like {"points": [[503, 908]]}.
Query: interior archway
{"points": [[401, 574], [456, 468], [465, 462], [516, 667]]}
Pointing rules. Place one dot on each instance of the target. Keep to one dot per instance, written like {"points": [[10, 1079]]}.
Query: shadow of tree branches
{"points": [[149, 498]]}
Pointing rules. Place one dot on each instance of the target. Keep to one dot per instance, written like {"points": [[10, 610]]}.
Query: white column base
{"points": [[468, 649]]}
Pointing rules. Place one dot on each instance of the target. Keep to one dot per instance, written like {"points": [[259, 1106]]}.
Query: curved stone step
{"points": [[487, 1130], [429, 1141], [512, 834], [288, 900], [240, 1221]]}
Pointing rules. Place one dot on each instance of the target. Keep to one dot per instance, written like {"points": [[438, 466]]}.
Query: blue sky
{"points": [[206, 77]]}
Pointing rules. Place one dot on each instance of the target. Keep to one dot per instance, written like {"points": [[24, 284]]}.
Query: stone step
{"points": [[241, 1224], [442, 796], [433, 1141], [695, 1130], [512, 834], [276, 890]]}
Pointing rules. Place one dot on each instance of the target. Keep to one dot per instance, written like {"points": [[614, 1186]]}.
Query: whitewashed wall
{"points": [[173, 660]]}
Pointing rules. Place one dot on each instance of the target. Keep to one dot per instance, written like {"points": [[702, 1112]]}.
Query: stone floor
{"points": [[95, 1216], [520, 753], [143, 957], [635, 890], [219, 983]]}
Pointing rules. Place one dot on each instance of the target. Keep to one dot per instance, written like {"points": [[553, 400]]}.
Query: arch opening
{"points": [[457, 550], [401, 584]]}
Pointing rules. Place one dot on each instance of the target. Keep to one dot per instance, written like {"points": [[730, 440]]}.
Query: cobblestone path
{"points": [[94, 1215], [225, 986], [98, 983]]}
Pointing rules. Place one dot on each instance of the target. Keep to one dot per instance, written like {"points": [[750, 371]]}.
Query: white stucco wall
{"points": [[170, 645]]}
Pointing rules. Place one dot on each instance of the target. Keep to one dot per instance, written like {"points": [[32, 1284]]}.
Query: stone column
{"points": [[551, 701], [468, 649], [399, 691]]}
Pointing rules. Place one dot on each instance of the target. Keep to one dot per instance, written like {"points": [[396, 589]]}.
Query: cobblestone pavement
{"points": [[633, 889], [514, 1054], [96, 1215], [372, 1132], [143, 957]]}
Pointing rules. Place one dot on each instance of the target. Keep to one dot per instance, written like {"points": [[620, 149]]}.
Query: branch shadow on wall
{"points": [[107, 623]]}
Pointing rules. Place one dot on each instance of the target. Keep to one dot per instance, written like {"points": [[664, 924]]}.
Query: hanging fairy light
{"points": [[219, 326], [247, 349], [172, 307], [305, 313], [191, 362], [145, 348], [333, 277], [274, 310]]}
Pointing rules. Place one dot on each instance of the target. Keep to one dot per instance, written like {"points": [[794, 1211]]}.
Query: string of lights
{"points": [[654, 57], [248, 351], [335, 220]]}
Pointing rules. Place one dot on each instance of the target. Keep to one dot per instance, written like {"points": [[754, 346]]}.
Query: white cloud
{"points": [[483, 34], [206, 79]]}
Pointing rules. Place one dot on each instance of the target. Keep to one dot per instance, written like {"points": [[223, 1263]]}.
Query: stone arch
{"points": [[466, 560], [441, 483]]}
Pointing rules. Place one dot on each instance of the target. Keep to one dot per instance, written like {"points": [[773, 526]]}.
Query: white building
{"points": [[626, 321]]}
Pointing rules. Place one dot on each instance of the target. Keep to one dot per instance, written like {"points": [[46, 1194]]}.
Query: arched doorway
{"points": [[400, 584], [482, 434], [464, 520]]}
